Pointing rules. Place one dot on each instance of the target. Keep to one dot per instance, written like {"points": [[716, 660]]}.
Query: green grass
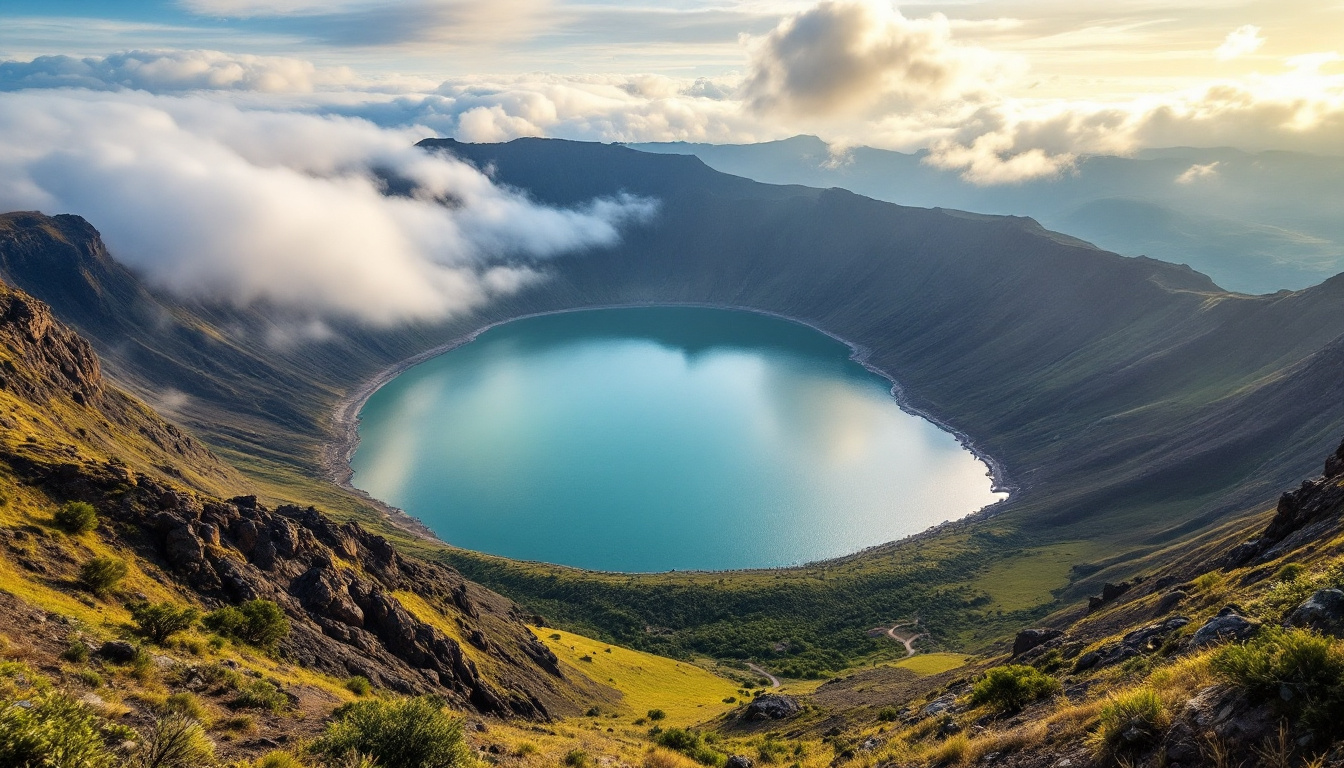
{"points": [[1028, 580], [933, 663], [687, 693]]}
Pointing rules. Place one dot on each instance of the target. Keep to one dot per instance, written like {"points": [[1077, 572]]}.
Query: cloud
{"points": [[1239, 42], [283, 209], [863, 56], [379, 23], [171, 71], [1196, 172]]}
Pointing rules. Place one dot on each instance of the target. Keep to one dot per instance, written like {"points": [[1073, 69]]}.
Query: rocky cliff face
{"points": [[74, 436]]}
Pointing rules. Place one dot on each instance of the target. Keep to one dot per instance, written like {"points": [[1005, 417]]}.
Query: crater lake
{"points": [[660, 438]]}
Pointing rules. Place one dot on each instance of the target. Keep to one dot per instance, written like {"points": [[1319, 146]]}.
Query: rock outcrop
{"points": [[773, 706]]}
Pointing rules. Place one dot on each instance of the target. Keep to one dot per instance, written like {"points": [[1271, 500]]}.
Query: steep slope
{"points": [[68, 435]]}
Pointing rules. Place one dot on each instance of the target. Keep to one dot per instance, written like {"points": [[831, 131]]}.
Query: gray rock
{"points": [[940, 705], [1227, 626], [773, 706], [950, 727], [1323, 612], [1030, 638], [118, 651], [738, 761]]}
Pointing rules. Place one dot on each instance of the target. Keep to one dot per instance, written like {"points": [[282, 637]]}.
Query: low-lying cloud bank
{"points": [[854, 72], [245, 206]]}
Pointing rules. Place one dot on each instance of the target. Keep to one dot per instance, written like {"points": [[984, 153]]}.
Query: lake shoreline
{"points": [[339, 451]]}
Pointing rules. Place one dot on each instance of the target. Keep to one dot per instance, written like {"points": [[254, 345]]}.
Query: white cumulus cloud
{"points": [[863, 56], [1239, 42], [285, 209]]}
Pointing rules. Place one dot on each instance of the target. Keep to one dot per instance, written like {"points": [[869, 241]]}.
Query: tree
{"points": [[160, 621], [257, 622]]}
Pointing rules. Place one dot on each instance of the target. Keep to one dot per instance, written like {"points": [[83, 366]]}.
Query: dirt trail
{"points": [[774, 681], [904, 638]]}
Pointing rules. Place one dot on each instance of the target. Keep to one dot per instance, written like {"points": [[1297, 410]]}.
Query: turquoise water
{"points": [[659, 438]]}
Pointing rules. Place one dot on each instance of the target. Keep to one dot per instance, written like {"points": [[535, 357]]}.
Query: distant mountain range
{"points": [[1254, 222]]}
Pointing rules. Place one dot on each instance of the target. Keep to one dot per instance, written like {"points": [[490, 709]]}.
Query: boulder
{"points": [[1168, 602], [773, 706], [738, 761], [118, 651], [1030, 638], [1323, 612], [1227, 626], [940, 705]]}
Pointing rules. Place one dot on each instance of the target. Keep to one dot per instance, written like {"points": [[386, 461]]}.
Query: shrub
{"points": [[90, 678], [76, 517], [407, 733], [952, 751], [101, 575], [656, 714], [576, 758], [689, 743], [237, 724], [176, 741], [1290, 572], [76, 652], [279, 759], [257, 622], [1010, 688], [359, 685], [184, 704], [259, 694], [1299, 671], [888, 715], [1134, 719], [524, 749], [54, 731], [160, 621]]}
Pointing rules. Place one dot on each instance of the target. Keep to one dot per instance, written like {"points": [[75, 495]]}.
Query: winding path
{"points": [[774, 681], [907, 640]]}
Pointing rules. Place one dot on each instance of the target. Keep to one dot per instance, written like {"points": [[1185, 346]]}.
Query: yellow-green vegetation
{"points": [[1012, 687], [687, 693], [933, 663], [1029, 579]]}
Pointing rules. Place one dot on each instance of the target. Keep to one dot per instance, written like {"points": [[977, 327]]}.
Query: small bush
{"points": [[1301, 672], [90, 678], [1130, 720], [359, 685], [259, 694], [185, 704], [160, 621], [408, 733], [257, 622], [576, 758], [237, 724], [689, 743], [1010, 688], [524, 749], [76, 652], [102, 575], [888, 715], [1290, 572], [176, 741], [279, 759], [76, 517], [54, 731], [656, 714], [952, 751]]}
